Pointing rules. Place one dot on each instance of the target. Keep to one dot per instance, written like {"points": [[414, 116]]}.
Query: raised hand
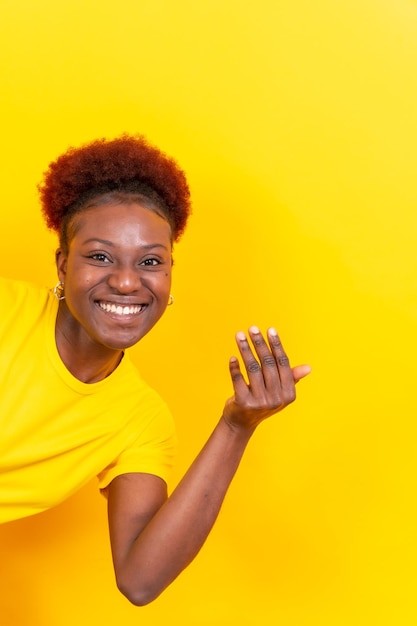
{"points": [[271, 380]]}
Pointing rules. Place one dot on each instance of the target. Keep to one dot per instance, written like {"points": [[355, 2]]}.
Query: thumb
{"points": [[300, 371]]}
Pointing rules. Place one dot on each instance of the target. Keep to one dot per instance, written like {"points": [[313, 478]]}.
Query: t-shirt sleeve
{"points": [[152, 450]]}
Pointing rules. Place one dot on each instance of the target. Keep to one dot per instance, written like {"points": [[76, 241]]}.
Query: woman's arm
{"points": [[154, 538]]}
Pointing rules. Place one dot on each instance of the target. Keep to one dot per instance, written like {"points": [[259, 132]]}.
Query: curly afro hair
{"points": [[127, 166]]}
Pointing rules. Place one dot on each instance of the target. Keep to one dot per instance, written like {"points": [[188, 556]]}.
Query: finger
{"points": [[282, 361], [300, 371], [238, 381], [266, 358], [253, 369]]}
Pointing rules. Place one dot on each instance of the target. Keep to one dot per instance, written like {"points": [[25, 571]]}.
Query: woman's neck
{"points": [[86, 361]]}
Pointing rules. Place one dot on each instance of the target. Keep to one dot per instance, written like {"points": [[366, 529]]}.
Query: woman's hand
{"points": [[271, 385]]}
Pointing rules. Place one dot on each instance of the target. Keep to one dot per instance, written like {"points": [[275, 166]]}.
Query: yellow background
{"points": [[296, 122]]}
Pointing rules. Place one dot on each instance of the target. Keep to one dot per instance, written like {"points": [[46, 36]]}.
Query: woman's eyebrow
{"points": [[107, 242], [149, 246]]}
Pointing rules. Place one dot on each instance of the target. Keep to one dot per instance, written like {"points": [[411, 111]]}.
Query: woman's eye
{"points": [[102, 258], [150, 262]]}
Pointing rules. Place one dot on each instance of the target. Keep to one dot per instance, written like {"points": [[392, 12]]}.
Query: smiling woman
{"points": [[117, 206], [117, 277]]}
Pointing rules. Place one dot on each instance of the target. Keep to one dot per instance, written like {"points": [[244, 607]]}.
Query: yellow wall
{"points": [[297, 124]]}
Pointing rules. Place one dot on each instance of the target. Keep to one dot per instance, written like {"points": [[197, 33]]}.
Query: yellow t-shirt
{"points": [[56, 432]]}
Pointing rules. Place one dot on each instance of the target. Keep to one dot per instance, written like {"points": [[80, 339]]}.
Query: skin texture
{"points": [[121, 254]]}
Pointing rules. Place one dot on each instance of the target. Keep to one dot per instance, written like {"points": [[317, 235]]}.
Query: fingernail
{"points": [[272, 331], [254, 329], [240, 335]]}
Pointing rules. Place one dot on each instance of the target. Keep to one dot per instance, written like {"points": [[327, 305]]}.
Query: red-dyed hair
{"points": [[127, 166]]}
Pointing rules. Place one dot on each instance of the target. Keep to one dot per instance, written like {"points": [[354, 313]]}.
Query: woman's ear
{"points": [[61, 264]]}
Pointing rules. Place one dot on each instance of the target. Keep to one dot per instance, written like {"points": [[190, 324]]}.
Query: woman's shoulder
{"points": [[18, 296], [23, 288]]}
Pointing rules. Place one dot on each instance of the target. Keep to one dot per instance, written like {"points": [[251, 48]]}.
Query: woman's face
{"points": [[116, 275]]}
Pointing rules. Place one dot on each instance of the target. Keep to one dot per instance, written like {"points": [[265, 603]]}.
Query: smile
{"points": [[118, 309]]}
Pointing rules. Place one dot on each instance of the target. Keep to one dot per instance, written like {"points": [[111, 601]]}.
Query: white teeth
{"points": [[118, 309]]}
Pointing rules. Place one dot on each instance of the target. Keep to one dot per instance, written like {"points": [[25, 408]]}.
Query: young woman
{"points": [[73, 405]]}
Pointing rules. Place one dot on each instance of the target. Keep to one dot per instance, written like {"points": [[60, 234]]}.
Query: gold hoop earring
{"points": [[170, 300], [59, 291]]}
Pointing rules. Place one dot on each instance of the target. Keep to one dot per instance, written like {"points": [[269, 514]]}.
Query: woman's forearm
{"points": [[155, 543], [176, 533]]}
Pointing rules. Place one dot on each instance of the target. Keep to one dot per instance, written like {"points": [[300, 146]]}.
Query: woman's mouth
{"points": [[121, 309]]}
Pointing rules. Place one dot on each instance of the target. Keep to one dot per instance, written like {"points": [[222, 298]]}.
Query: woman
{"points": [[73, 404]]}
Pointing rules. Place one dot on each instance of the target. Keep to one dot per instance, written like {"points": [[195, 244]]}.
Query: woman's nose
{"points": [[125, 280]]}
